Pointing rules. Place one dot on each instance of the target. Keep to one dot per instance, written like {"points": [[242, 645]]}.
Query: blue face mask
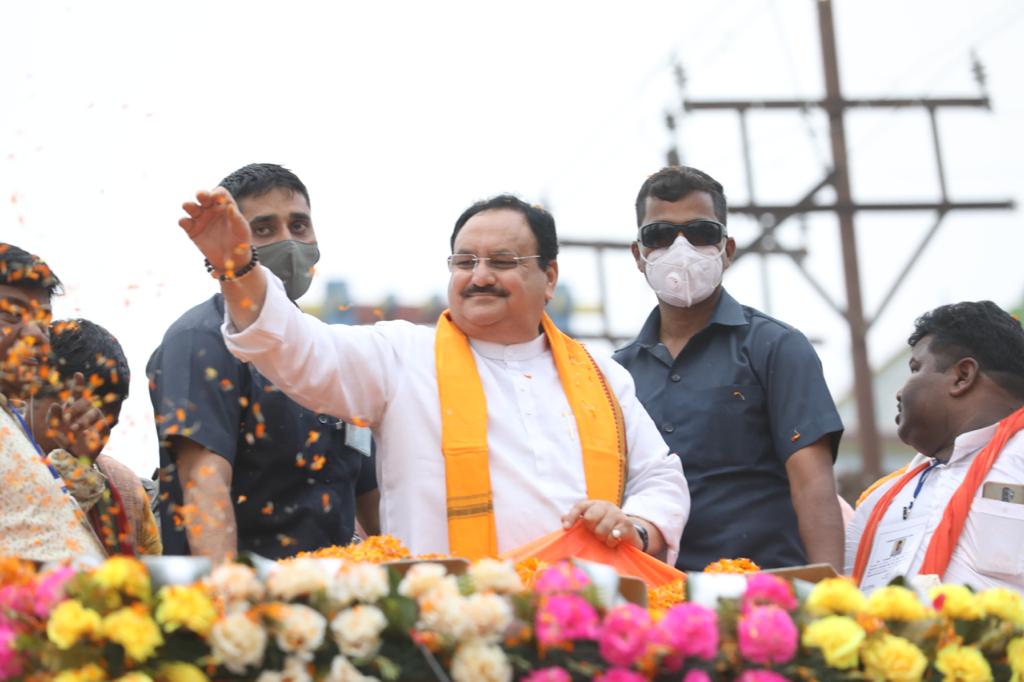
{"points": [[293, 263]]}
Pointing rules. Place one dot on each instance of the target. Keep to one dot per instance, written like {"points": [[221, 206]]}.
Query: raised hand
{"points": [[78, 425], [219, 229]]}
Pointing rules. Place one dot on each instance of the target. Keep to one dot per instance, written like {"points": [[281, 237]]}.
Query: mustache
{"points": [[472, 290]]}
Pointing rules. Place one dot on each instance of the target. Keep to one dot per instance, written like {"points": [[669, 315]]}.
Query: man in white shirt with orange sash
{"points": [[491, 430], [957, 510]]}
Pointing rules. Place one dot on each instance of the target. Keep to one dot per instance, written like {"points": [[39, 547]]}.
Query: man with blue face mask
{"points": [[244, 467], [739, 396]]}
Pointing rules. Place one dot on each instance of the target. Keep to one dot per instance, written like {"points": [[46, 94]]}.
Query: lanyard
{"points": [[28, 434], [920, 484]]}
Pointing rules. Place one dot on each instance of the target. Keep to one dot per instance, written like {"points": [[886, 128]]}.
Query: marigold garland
{"points": [[738, 565], [375, 549], [664, 597]]}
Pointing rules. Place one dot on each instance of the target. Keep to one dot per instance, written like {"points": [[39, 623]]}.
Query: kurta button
{"points": [[322, 418], [675, 377], [668, 428]]}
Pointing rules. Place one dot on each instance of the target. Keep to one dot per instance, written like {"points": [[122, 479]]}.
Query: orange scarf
{"points": [[947, 534], [470, 500]]}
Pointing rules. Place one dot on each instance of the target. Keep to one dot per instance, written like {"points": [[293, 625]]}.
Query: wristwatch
{"points": [[645, 539]]}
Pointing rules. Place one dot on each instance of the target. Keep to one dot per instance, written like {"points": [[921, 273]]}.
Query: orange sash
{"points": [[470, 500], [947, 534]]}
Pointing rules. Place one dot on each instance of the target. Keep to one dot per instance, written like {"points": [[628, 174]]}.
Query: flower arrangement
{"points": [[308, 620]]}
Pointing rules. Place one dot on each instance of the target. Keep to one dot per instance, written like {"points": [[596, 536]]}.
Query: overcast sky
{"points": [[398, 115]]}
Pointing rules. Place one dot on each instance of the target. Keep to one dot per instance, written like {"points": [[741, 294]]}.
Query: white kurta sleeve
{"points": [[342, 370], [656, 488]]}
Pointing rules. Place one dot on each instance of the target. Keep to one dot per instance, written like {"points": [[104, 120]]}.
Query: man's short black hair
{"points": [[19, 268], [980, 330], [542, 224], [257, 179], [672, 183], [86, 347]]}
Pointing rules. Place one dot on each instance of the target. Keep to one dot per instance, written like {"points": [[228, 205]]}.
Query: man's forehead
{"points": [[496, 229], [276, 201]]}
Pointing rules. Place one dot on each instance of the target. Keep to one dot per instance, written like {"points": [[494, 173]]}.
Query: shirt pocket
{"points": [[999, 536], [731, 420]]}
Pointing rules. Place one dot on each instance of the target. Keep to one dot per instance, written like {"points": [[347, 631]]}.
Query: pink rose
{"points": [[764, 589], [10, 661], [690, 630], [562, 577], [565, 617], [620, 675], [50, 589], [624, 634], [696, 676], [552, 674], [767, 635]]}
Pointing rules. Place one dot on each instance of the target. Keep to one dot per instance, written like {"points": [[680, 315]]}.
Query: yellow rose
{"points": [[962, 664], [180, 672], [835, 596], [956, 601], [895, 603], [893, 659], [188, 607], [1015, 657], [87, 673], [1004, 604], [124, 574], [70, 622], [134, 630], [839, 639]]}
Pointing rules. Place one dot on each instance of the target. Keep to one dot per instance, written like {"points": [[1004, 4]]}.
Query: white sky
{"points": [[398, 115]]}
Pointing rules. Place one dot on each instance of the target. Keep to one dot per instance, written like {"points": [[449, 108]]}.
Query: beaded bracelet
{"points": [[230, 276]]}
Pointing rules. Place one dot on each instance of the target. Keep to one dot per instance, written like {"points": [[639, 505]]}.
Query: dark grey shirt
{"points": [[744, 394], [294, 480]]}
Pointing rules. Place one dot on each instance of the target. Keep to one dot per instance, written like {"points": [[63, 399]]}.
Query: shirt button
{"points": [[667, 428], [322, 418], [675, 377]]}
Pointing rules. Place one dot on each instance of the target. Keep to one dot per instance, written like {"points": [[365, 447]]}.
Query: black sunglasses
{"points": [[661, 234]]}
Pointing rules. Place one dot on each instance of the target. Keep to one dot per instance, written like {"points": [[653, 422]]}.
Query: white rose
{"points": [[361, 582], [443, 610], [238, 642], [491, 575], [357, 630], [479, 662], [296, 578], [343, 671], [300, 631], [489, 614], [235, 583], [420, 578], [295, 670]]}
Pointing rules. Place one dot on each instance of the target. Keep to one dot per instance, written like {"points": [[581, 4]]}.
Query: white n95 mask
{"points": [[683, 274]]}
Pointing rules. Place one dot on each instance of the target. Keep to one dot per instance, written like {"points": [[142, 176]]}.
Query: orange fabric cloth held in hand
{"points": [[580, 543]]}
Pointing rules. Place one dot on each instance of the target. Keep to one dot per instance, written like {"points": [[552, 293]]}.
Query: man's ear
{"points": [[965, 375], [635, 248], [552, 276], [730, 250]]}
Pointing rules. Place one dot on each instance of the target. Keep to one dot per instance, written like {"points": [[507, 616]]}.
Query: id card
{"points": [[894, 550], [1003, 492]]}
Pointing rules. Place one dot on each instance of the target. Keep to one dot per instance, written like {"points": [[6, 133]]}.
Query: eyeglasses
{"points": [[467, 262], [661, 234]]}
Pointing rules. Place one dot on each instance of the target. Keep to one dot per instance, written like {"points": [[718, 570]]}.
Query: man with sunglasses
{"points": [[739, 396], [493, 429]]}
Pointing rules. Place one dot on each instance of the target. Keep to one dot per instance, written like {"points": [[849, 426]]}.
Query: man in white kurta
{"points": [[385, 376]]}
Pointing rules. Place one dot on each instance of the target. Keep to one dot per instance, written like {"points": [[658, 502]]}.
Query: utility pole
{"points": [[845, 208]]}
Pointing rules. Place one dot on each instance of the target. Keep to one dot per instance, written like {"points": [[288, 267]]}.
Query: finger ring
{"points": [[616, 533]]}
